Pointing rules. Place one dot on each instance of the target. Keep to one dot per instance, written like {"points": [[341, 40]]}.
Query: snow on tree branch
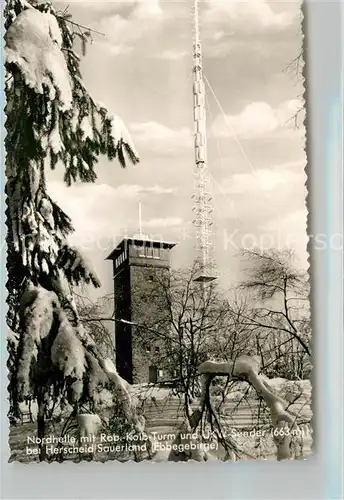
{"points": [[33, 46], [247, 368], [50, 116], [52, 119], [48, 336], [37, 307], [75, 130], [75, 266]]}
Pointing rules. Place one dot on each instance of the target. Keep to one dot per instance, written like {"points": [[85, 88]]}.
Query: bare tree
{"points": [[194, 322], [100, 331], [280, 318], [182, 325], [295, 68]]}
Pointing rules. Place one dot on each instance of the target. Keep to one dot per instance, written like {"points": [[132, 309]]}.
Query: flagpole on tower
{"points": [[140, 219]]}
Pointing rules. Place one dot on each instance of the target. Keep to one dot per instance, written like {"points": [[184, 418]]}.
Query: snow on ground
{"points": [[282, 387], [149, 391], [164, 414]]}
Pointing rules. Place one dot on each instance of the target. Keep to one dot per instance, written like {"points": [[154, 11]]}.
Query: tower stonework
{"points": [[135, 262]]}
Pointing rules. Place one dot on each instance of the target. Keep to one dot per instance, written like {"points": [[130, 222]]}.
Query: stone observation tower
{"points": [[135, 262]]}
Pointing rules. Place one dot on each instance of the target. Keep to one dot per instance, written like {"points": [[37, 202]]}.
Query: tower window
{"points": [[157, 349], [120, 259], [161, 373], [149, 251]]}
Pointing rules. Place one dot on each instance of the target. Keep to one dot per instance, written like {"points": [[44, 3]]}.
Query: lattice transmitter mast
{"points": [[203, 197]]}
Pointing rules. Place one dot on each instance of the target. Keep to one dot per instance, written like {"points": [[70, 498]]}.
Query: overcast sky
{"points": [[141, 70]]}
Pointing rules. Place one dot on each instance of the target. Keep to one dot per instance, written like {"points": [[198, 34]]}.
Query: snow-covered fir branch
{"points": [[51, 120]]}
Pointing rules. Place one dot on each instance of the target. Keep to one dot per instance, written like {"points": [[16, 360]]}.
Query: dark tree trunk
{"points": [[41, 426]]}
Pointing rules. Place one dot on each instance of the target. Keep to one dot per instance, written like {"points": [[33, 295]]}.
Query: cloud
{"points": [[251, 199], [261, 180], [100, 213], [158, 137], [219, 35], [147, 10], [123, 30], [266, 209], [162, 222], [118, 49], [103, 192], [158, 190], [141, 9], [249, 28], [289, 223], [290, 231], [121, 34], [275, 180], [98, 8], [258, 119], [92, 209], [171, 55], [247, 15]]}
